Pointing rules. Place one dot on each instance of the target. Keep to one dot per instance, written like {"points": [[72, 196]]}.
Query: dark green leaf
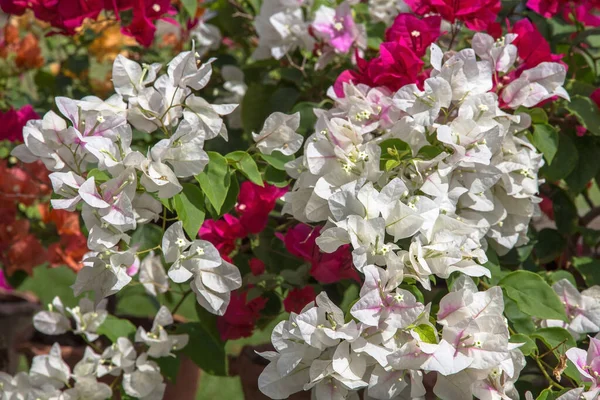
{"points": [[114, 328], [586, 112], [215, 180], [232, 195], [589, 269], [545, 139], [205, 348], [189, 205], [533, 295], [169, 367], [277, 159], [528, 348], [550, 245], [147, 236], [565, 212], [244, 163], [307, 116], [61, 279], [564, 160], [283, 99], [255, 106], [588, 164], [520, 321], [276, 177]]}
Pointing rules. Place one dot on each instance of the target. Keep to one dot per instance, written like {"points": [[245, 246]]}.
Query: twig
{"points": [[183, 297]]}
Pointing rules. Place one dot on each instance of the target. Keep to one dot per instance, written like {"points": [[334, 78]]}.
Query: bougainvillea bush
{"points": [[402, 194]]}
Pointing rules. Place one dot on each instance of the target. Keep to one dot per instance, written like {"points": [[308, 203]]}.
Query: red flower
{"points": [[13, 121], [595, 96], [396, 66], [255, 203], [547, 207], [531, 45], [240, 317], [4, 283], [414, 32], [325, 267], [296, 299], [476, 14], [222, 233], [256, 266]]}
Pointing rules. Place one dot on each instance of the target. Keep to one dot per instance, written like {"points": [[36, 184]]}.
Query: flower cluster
{"points": [[389, 344], [118, 188], [68, 16], [282, 27], [588, 365], [51, 378]]}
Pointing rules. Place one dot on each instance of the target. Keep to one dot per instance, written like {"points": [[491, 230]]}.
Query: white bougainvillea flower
{"points": [[129, 77], [153, 275], [536, 85], [279, 133], [159, 342], [66, 185], [186, 70], [87, 388], [118, 358], [50, 369], [88, 317], [500, 53], [208, 116], [146, 381], [53, 321], [104, 277]]}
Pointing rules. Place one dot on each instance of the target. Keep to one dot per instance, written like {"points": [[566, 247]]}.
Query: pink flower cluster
{"points": [[586, 12], [13, 121], [68, 15], [399, 61], [477, 15]]}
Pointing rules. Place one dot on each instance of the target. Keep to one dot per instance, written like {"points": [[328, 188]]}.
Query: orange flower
{"points": [[69, 251], [24, 254], [29, 54], [110, 43]]}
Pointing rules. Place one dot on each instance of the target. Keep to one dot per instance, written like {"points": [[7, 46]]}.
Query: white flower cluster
{"points": [[390, 343], [88, 149], [444, 169], [418, 182], [282, 28], [50, 377]]}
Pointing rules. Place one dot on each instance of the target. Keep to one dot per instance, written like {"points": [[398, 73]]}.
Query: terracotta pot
{"points": [[248, 366], [185, 386], [16, 326]]}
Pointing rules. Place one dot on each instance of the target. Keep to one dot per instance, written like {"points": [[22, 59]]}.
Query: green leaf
{"points": [[564, 160], [586, 112], [307, 116], [545, 139], [521, 322], [283, 99], [205, 348], [99, 176], [533, 295], [589, 269], [529, 345], [392, 151], [549, 246], [276, 177], [277, 159], [169, 367], [114, 328], [61, 279], [426, 333], [147, 236], [215, 180], [244, 163], [232, 195], [565, 212], [191, 6], [255, 107], [588, 164], [546, 394], [189, 204]]}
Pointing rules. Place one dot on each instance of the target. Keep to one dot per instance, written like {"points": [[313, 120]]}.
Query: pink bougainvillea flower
{"points": [[414, 32], [222, 233], [241, 316], [336, 27], [595, 96], [546, 8], [16, 7], [532, 47], [300, 241], [297, 298], [256, 266], [476, 14], [255, 203], [582, 11], [13, 121], [397, 65]]}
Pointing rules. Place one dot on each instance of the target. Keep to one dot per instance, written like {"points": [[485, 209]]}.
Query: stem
{"points": [[147, 250], [181, 301], [548, 378], [164, 218]]}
